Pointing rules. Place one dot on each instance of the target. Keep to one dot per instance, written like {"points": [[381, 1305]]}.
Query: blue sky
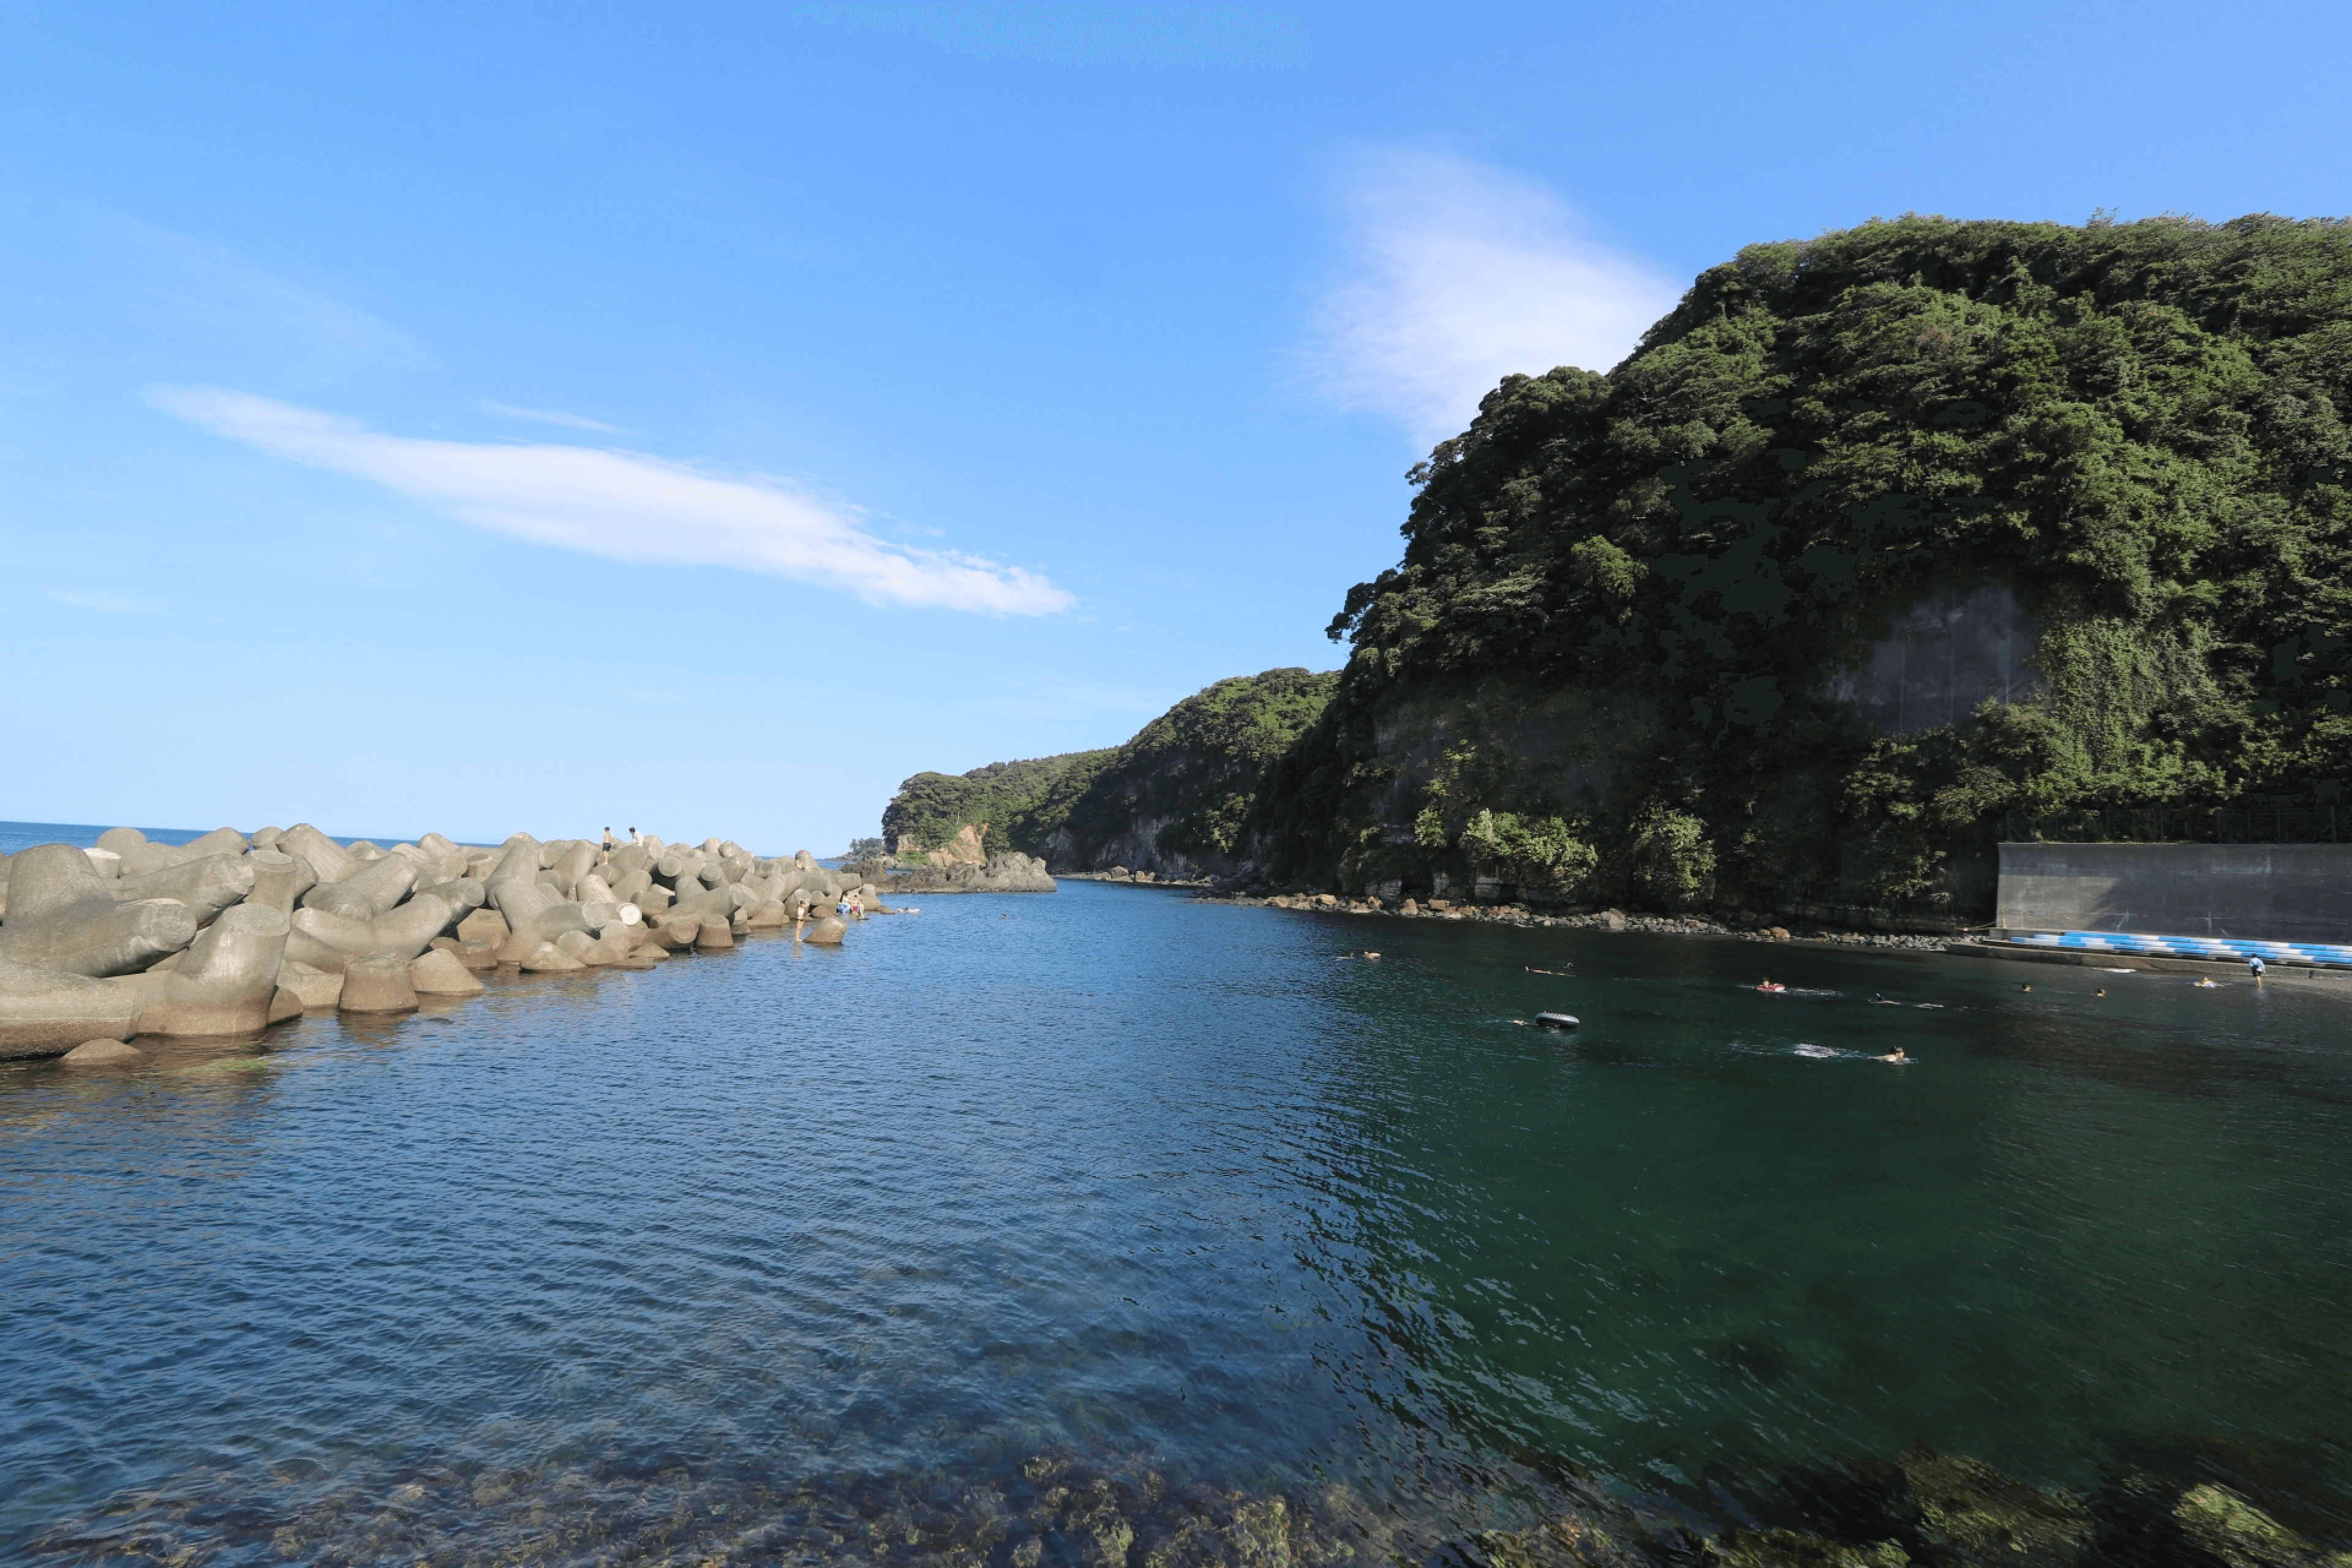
{"points": [[703, 416]]}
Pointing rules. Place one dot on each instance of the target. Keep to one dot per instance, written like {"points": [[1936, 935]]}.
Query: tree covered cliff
{"points": [[1178, 797], [2136, 430]]}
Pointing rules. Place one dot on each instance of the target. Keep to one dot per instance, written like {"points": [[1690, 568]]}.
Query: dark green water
{"points": [[616, 1268]]}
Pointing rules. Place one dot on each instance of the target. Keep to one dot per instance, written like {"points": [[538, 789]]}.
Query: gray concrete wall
{"points": [[2272, 892]]}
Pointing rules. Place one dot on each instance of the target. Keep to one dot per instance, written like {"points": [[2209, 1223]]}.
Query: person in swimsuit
{"points": [[608, 848], [1896, 1055]]}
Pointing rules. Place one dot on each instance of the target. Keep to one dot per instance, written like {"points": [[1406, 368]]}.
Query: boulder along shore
{"points": [[229, 934]]}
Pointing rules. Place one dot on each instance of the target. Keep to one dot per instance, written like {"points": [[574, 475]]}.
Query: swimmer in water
{"points": [[2206, 984], [1896, 1055], [2025, 988], [1878, 1001], [2103, 991]]}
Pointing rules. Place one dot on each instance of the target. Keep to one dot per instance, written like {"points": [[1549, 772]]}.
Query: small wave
{"points": [[1804, 991], [1818, 1051]]}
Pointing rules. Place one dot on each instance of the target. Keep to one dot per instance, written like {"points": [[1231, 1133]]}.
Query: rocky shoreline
{"points": [[228, 934], [1921, 1509], [1602, 920]]}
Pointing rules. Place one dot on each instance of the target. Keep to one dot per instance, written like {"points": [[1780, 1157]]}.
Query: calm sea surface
{"points": [[628, 1267]]}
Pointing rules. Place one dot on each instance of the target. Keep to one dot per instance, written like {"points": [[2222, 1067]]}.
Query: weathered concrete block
{"points": [[315, 989], [100, 937], [549, 959], [279, 880], [301, 947], [207, 885], [485, 926], [576, 942], [225, 983], [827, 932], [105, 862], [369, 891], [43, 1013], [378, 986], [219, 841], [103, 1054], [458, 893], [267, 839], [438, 974], [330, 861], [769, 917], [576, 862], [403, 933], [141, 859], [714, 933], [473, 955], [47, 877], [434, 844], [284, 1005], [121, 839]]}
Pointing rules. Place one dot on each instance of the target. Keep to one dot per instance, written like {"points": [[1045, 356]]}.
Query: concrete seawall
{"points": [[2276, 892]]}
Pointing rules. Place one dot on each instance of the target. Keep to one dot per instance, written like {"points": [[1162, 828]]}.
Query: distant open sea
{"points": [[16, 836]]}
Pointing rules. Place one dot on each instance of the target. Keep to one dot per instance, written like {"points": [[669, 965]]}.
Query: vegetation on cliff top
{"points": [[929, 809], [1180, 793], [2140, 428]]}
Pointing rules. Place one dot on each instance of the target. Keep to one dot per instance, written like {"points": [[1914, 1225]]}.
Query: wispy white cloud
{"points": [[1459, 274], [627, 506], [550, 416]]}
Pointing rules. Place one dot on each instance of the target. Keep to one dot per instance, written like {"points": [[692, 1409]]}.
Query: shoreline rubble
{"points": [[226, 935]]}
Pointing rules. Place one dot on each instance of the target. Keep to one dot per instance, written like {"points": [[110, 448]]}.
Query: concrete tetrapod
{"points": [[377, 985], [369, 891], [827, 932], [438, 974], [47, 877], [100, 937], [207, 886], [316, 989], [280, 880], [472, 956], [403, 935], [330, 861], [225, 984], [43, 1012], [486, 926]]}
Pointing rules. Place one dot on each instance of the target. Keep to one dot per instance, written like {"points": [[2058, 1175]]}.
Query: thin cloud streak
{"points": [[550, 416], [626, 506], [1461, 274]]}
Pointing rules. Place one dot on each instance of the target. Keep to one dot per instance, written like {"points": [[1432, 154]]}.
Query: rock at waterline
{"points": [[378, 985], [103, 1053], [827, 932]]}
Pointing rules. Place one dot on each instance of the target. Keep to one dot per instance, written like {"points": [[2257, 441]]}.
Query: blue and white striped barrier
{"points": [[2219, 947]]}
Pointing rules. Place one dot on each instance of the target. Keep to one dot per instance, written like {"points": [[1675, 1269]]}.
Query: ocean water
{"points": [[790, 1253]]}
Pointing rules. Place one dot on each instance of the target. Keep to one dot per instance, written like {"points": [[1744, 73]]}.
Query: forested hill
{"points": [[1177, 799], [1879, 541]]}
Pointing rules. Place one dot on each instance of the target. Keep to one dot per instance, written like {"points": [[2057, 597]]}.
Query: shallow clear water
{"points": [[1116, 1174]]}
